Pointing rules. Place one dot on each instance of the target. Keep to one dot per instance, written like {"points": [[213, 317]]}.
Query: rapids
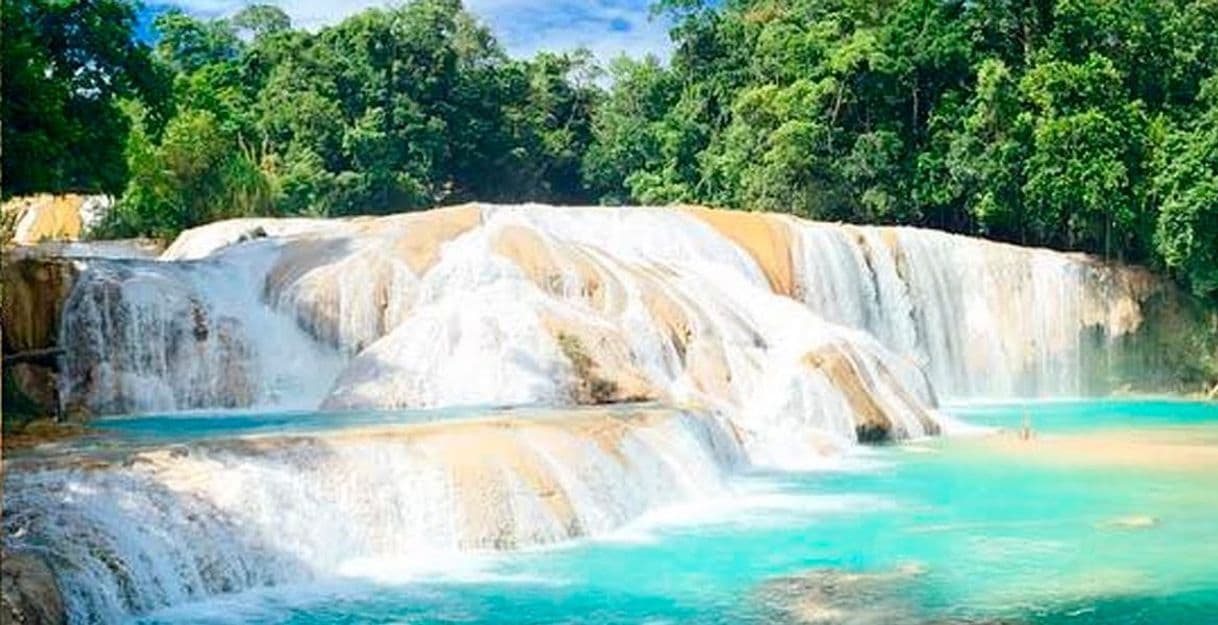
{"points": [[734, 342], [389, 521], [147, 527], [807, 334]]}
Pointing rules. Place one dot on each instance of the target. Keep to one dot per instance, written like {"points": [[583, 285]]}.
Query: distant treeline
{"points": [[1077, 124]]}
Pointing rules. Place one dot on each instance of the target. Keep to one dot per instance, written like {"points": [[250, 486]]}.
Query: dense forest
{"points": [[1077, 124]]}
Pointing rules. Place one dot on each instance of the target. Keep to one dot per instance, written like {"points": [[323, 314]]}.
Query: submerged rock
{"points": [[827, 596], [836, 597], [1131, 522]]}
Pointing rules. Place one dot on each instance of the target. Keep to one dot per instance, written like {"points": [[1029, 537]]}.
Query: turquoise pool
{"points": [[945, 531]]}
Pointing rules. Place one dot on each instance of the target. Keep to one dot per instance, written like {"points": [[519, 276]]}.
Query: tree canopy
{"points": [[1079, 124], [64, 66]]}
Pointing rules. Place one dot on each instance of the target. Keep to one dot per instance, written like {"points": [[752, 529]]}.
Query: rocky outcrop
{"points": [[356, 281], [29, 593], [34, 291], [878, 416], [46, 217], [767, 237]]}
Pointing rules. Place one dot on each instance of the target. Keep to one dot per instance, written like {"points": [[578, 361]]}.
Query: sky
{"points": [[524, 27]]}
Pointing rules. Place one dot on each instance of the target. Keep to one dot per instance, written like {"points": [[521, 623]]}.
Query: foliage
{"points": [[1187, 184], [1072, 124], [64, 66], [8, 227], [391, 109], [1076, 124]]}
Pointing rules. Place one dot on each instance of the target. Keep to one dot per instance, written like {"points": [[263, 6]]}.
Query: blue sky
{"points": [[524, 27]]}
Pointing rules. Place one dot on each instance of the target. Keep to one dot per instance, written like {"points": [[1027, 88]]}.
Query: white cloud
{"points": [[528, 26], [524, 27]]}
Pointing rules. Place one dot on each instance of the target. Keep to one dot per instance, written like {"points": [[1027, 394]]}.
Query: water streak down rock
{"points": [[803, 332]]}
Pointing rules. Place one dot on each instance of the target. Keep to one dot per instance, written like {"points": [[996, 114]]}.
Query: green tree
{"points": [[192, 176], [626, 127], [1070, 123], [1087, 140], [65, 66], [187, 44], [1186, 236], [261, 20]]}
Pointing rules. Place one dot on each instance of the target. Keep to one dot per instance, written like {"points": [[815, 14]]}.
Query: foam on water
{"points": [[767, 507], [951, 536], [166, 525]]}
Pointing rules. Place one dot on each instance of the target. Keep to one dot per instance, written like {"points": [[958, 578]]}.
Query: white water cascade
{"points": [[170, 525], [487, 305], [150, 336], [784, 342], [984, 319], [808, 334]]}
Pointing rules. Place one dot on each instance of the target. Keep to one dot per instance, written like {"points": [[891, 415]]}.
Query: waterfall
{"points": [[984, 319], [484, 305], [144, 336], [783, 323], [165, 526], [786, 342]]}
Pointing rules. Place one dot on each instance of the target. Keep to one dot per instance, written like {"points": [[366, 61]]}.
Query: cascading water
{"points": [[147, 336], [984, 319], [665, 301], [787, 340], [173, 524], [480, 305]]}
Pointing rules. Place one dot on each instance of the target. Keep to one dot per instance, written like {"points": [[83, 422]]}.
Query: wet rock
{"points": [[257, 232], [836, 597], [876, 420], [35, 289], [38, 432], [29, 594]]}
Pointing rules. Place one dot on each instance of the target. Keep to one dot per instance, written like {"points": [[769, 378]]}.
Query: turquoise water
{"points": [[124, 433], [945, 531], [1069, 416], [184, 427]]}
